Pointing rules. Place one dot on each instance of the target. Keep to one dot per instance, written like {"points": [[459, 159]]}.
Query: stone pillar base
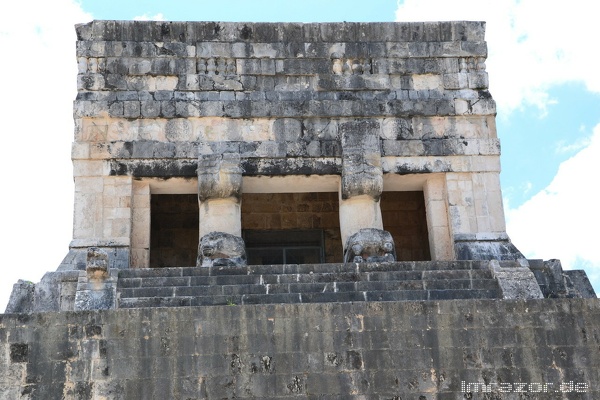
{"points": [[485, 247], [358, 213], [221, 215]]}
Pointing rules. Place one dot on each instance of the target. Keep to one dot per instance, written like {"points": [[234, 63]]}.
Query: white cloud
{"points": [[37, 75], [146, 17], [564, 146], [562, 221], [533, 44]]}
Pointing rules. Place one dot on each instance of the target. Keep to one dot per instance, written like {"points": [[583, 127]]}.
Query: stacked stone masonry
{"points": [[538, 349], [284, 111], [188, 133], [407, 100]]}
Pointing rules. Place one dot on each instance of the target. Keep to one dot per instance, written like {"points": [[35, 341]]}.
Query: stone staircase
{"points": [[306, 283]]}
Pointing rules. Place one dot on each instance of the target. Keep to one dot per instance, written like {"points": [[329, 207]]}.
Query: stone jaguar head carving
{"points": [[220, 249], [370, 245]]}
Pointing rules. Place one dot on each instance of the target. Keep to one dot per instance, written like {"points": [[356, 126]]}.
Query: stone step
{"points": [[327, 297], [322, 287], [182, 281], [400, 281], [303, 269]]}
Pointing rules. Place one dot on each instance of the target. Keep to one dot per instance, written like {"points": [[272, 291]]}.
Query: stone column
{"points": [[361, 225], [438, 227], [140, 225], [219, 201]]}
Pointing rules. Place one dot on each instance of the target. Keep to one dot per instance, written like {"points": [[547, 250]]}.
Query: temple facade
{"points": [[321, 128], [232, 144], [284, 210]]}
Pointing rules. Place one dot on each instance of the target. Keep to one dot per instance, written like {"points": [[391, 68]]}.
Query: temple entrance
{"points": [[403, 215], [173, 230], [291, 228]]}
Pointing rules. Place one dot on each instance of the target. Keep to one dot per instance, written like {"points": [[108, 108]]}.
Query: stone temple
{"points": [[286, 210]]}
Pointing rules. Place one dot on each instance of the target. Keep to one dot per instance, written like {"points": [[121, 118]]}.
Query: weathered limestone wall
{"points": [[357, 101], [410, 350]]}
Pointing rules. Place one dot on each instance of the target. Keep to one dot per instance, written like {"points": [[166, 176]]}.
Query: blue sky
{"points": [[246, 10], [543, 77]]}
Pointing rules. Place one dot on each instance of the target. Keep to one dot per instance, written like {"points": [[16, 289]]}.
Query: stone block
{"points": [[579, 285], [131, 109], [140, 67], [478, 80], [345, 32], [21, 298], [303, 66], [150, 109], [167, 109], [287, 129], [474, 48], [267, 50]]}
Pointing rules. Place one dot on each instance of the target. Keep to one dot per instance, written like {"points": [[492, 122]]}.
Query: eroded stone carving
{"points": [[220, 249], [361, 159], [370, 245], [350, 66], [216, 66], [219, 176], [96, 289], [97, 264]]}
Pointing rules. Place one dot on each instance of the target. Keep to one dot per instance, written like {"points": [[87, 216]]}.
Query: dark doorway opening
{"points": [[403, 215], [173, 230]]}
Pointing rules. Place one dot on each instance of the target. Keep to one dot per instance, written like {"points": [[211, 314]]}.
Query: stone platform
{"points": [[409, 350]]}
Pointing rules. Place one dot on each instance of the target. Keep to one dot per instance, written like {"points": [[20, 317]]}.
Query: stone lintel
{"points": [[252, 166]]}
